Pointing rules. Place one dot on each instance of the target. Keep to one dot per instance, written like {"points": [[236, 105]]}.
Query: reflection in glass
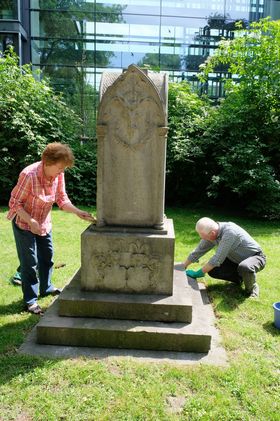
{"points": [[8, 41], [8, 9], [74, 41]]}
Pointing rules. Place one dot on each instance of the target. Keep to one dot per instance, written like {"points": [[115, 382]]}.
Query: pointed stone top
{"points": [[158, 80]]}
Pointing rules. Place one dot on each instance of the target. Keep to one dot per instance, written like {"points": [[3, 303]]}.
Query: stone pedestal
{"points": [[129, 262]]}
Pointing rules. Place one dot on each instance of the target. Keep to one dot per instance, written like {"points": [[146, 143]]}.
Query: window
{"points": [[9, 9]]}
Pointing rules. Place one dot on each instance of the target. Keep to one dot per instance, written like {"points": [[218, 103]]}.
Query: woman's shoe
{"points": [[16, 279], [34, 309], [53, 292]]}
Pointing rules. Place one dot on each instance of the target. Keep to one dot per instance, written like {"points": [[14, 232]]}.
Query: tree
{"points": [[242, 139], [65, 55], [156, 62], [32, 115], [185, 156]]}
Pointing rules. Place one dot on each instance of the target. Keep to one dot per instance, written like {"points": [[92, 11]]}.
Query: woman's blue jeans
{"points": [[35, 253]]}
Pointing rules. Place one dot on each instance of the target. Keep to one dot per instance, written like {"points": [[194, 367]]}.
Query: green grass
{"points": [[125, 389]]}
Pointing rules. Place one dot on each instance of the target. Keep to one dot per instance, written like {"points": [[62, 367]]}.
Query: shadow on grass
{"points": [[14, 307], [15, 326], [271, 329], [13, 334], [14, 365], [227, 295]]}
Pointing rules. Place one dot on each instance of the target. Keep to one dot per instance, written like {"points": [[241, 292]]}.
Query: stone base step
{"points": [[73, 302], [105, 333], [54, 329]]}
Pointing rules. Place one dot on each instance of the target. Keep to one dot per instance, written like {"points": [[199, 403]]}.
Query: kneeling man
{"points": [[238, 256]]}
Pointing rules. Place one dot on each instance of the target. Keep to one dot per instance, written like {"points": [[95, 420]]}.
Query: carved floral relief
{"points": [[134, 265]]}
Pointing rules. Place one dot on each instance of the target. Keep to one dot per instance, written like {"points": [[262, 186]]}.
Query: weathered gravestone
{"points": [[131, 131]]}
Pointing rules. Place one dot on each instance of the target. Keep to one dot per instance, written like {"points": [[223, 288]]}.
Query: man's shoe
{"points": [[255, 293], [237, 281]]}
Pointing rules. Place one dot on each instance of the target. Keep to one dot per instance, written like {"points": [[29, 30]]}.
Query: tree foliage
{"points": [[81, 179], [32, 115], [187, 113], [242, 138], [228, 154]]}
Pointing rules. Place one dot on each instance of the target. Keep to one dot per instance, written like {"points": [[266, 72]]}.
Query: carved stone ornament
{"points": [[133, 264], [131, 113]]}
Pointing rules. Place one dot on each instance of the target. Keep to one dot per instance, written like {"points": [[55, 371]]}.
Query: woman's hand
{"points": [[86, 216], [69, 207], [34, 226]]}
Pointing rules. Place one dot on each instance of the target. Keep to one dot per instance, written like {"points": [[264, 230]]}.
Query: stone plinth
{"points": [[111, 332], [122, 334], [129, 262]]}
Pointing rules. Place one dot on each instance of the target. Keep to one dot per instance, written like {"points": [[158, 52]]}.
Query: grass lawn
{"points": [[125, 389]]}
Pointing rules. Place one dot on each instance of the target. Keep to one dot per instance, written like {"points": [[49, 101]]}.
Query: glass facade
{"points": [[8, 13], [9, 9], [73, 41], [14, 24]]}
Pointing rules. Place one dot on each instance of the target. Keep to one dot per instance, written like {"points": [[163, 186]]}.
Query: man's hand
{"points": [[195, 273], [186, 263]]}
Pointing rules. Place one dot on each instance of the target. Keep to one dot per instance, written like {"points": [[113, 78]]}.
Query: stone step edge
{"points": [[74, 302], [103, 333]]}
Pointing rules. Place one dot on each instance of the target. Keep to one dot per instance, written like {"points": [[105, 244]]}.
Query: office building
{"points": [[74, 41]]}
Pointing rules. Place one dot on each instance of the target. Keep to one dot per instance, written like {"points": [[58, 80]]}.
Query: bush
{"points": [[184, 167], [81, 179], [240, 172], [228, 155], [32, 116]]}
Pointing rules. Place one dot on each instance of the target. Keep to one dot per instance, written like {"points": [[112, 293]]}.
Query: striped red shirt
{"points": [[36, 195]]}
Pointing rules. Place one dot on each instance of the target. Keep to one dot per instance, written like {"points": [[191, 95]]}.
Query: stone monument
{"points": [[127, 293], [132, 248]]}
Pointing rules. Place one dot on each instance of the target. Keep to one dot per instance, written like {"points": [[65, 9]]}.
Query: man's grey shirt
{"points": [[233, 242]]}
